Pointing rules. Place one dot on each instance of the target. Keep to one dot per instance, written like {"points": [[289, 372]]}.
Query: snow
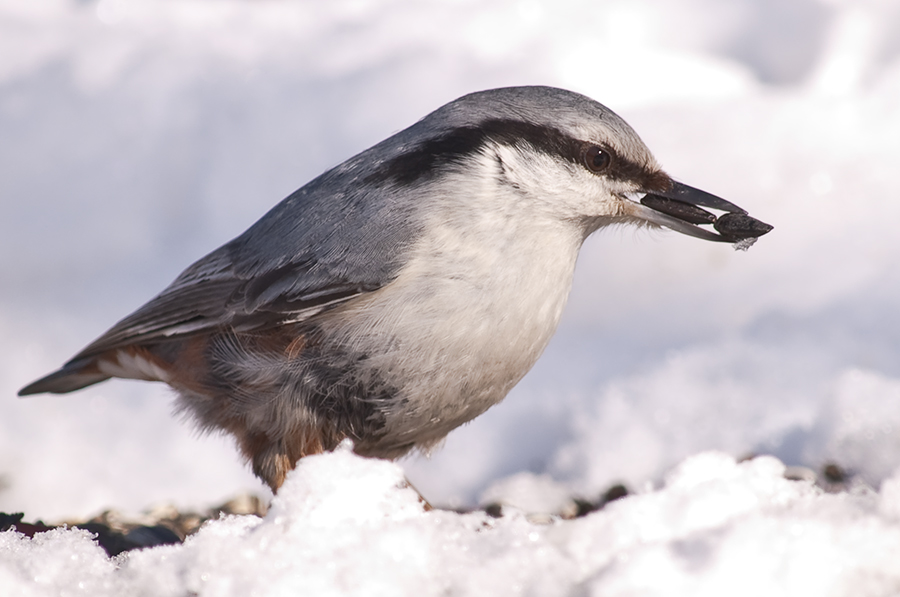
{"points": [[137, 135], [343, 525]]}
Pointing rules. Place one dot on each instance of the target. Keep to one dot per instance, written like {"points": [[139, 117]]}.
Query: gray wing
{"points": [[328, 242]]}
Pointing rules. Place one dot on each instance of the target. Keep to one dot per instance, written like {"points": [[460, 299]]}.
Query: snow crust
{"points": [[137, 135], [343, 525]]}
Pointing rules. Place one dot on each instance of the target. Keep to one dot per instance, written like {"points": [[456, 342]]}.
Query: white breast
{"points": [[472, 310]]}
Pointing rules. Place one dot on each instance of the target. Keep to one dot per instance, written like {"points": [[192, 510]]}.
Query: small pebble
{"points": [[834, 473], [614, 493]]}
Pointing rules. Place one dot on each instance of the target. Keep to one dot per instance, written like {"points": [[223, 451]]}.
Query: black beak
{"points": [[680, 208]]}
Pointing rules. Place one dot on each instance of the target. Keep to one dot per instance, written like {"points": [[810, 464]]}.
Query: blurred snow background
{"points": [[137, 135]]}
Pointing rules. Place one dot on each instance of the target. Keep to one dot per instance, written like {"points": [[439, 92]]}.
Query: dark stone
{"points": [[494, 510], [614, 493], [834, 473]]}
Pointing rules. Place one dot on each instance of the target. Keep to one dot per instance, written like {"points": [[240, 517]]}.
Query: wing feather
{"points": [[316, 249]]}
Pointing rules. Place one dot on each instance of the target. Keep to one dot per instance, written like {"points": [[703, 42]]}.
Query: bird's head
{"points": [[562, 153]]}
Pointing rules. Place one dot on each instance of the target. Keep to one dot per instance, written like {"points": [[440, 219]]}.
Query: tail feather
{"points": [[74, 375]]}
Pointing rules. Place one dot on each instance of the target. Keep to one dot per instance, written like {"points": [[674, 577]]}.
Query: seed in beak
{"points": [[740, 226]]}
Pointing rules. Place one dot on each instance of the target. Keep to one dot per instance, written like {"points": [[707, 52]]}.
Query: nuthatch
{"points": [[405, 291]]}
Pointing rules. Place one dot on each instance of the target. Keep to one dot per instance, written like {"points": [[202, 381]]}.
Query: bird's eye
{"points": [[596, 159]]}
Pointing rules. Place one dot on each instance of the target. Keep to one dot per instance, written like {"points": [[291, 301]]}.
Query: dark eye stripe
{"points": [[428, 158]]}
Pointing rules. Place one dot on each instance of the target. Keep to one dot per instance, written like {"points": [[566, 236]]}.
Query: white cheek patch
{"points": [[133, 366]]}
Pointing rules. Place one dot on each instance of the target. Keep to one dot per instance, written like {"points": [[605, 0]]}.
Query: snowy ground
{"points": [[136, 135], [341, 525]]}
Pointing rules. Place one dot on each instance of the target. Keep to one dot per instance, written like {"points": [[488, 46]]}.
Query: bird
{"points": [[405, 291]]}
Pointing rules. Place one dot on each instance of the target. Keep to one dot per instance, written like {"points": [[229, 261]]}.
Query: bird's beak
{"points": [[680, 208]]}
